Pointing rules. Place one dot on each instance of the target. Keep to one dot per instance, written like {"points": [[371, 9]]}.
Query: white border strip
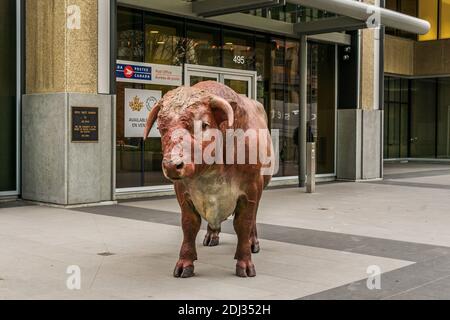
{"points": [[104, 46]]}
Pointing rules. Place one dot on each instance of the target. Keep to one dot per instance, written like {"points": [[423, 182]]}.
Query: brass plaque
{"points": [[84, 124]]}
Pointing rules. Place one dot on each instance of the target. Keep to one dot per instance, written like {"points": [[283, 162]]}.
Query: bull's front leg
{"points": [[191, 223], [254, 240], [244, 225]]}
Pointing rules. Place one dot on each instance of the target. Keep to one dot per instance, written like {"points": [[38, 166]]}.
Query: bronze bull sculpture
{"points": [[213, 191]]}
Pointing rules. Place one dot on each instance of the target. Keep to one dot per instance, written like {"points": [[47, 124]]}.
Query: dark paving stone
{"points": [[411, 281], [419, 174]]}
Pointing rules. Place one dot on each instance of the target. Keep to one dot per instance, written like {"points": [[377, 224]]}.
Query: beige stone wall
{"points": [[416, 58], [399, 56], [432, 58], [367, 69], [59, 59]]}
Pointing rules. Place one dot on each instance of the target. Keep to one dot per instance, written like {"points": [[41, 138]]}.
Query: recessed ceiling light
{"points": [[154, 31], [229, 43]]}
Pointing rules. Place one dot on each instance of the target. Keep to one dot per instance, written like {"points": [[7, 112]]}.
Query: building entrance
{"points": [[241, 81]]}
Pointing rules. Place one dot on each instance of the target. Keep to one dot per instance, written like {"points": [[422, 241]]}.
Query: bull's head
{"points": [[179, 115]]}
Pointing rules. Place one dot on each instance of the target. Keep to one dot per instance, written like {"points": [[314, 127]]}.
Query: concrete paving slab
{"points": [[144, 253]]}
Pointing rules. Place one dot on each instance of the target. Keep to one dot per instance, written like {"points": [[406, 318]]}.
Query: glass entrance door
{"points": [[9, 122], [241, 81], [241, 85], [322, 105]]}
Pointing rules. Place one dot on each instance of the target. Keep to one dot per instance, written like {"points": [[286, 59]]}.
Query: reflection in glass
{"points": [[8, 118], [196, 79], [277, 97], [240, 86], [164, 42], [322, 104], [423, 118], [396, 118], [130, 35], [238, 50], [203, 45], [443, 137], [262, 52], [292, 108], [285, 90]]}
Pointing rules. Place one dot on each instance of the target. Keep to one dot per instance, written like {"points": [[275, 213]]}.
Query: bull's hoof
{"points": [[244, 270], [256, 248], [211, 240], [183, 272]]}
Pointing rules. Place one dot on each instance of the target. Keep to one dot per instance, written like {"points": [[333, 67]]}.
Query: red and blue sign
{"points": [[133, 72]]}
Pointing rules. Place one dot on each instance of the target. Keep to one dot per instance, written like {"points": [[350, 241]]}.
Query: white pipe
{"points": [[363, 11]]}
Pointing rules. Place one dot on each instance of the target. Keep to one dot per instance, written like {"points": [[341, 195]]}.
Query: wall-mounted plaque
{"points": [[84, 124]]}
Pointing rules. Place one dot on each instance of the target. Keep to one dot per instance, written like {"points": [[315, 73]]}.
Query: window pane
{"points": [[238, 50], [263, 70], [131, 48], [164, 42], [130, 35], [129, 150], [203, 45], [8, 95], [428, 10], [277, 98], [292, 107], [322, 103], [423, 118], [444, 119]]}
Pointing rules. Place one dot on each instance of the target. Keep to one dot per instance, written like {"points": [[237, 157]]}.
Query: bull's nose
{"points": [[173, 169], [180, 166]]}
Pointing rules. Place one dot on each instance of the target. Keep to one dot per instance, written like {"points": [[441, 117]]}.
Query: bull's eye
{"points": [[205, 126]]}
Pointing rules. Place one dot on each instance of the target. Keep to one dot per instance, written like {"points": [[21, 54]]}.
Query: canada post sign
{"points": [[133, 72], [146, 73]]}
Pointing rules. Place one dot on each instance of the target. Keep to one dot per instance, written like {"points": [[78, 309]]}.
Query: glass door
{"points": [[322, 105], [241, 81], [423, 118], [241, 85], [196, 77], [9, 91]]}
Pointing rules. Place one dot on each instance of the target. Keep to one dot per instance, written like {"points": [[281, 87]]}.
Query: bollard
{"points": [[311, 167]]}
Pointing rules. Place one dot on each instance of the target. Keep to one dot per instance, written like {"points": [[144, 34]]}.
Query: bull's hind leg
{"points": [[244, 222], [191, 223], [212, 237]]}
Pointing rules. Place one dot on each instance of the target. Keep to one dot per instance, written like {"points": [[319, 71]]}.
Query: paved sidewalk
{"points": [[313, 246]]}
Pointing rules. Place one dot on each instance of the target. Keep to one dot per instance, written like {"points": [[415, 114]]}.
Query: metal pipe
{"points": [[303, 109], [363, 11]]}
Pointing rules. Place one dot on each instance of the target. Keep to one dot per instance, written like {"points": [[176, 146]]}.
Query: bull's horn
{"points": [[153, 116], [222, 104]]}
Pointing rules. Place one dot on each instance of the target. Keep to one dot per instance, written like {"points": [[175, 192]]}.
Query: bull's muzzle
{"points": [[173, 169]]}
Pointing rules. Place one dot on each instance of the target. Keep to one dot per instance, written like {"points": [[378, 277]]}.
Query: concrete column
{"points": [[62, 72], [360, 130]]}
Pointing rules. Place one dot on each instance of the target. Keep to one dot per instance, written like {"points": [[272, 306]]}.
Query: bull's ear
{"points": [[153, 116], [222, 110]]}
